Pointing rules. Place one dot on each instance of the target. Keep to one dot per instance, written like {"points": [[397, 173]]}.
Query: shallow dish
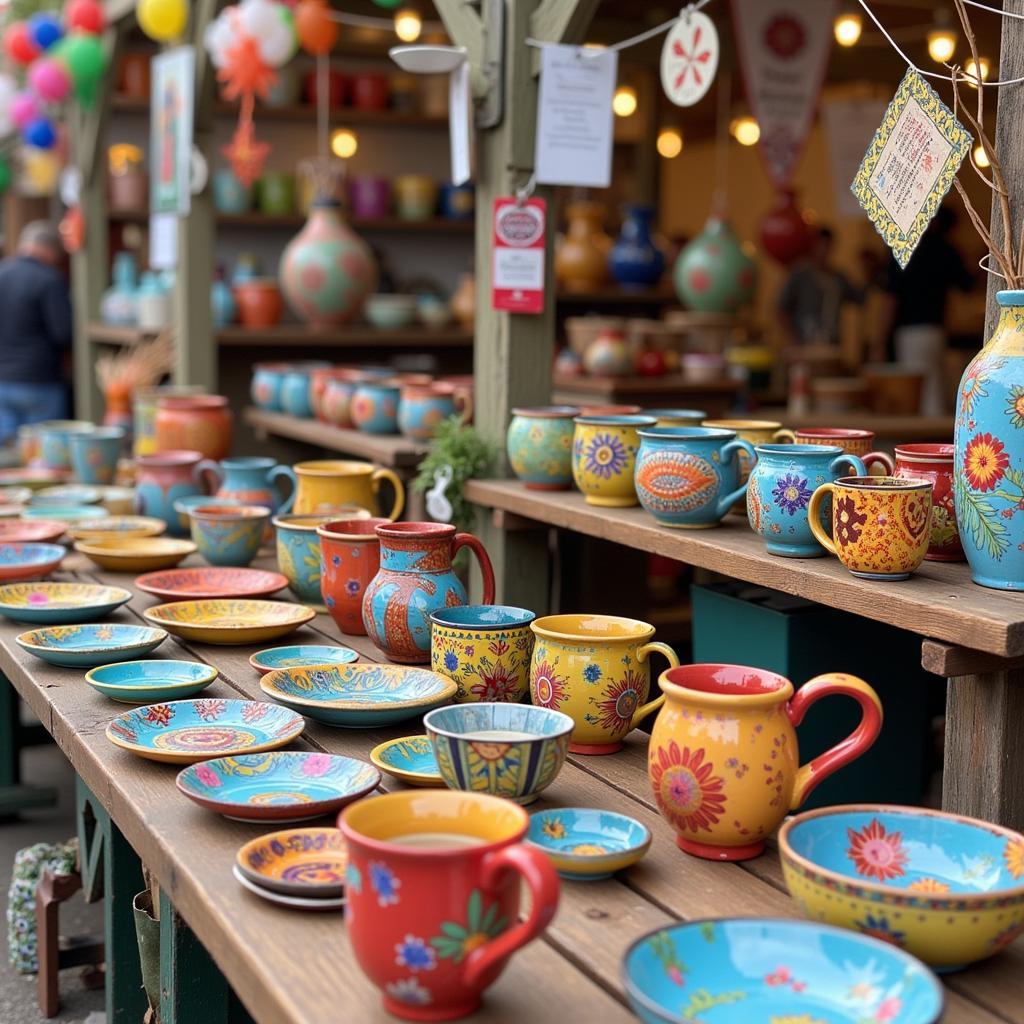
{"points": [[409, 759], [292, 902], [307, 862], [32, 477], [121, 527], [58, 603], [186, 731], [66, 514], [16, 531], [211, 582], [756, 971], [15, 495], [229, 622], [135, 554], [587, 844], [947, 888], [301, 656], [66, 494], [148, 682], [29, 560], [281, 785], [90, 645], [359, 696]]}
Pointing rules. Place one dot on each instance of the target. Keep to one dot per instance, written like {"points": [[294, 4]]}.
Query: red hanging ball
{"points": [[784, 233]]}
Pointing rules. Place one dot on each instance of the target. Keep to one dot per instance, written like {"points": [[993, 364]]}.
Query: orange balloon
{"points": [[317, 31]]}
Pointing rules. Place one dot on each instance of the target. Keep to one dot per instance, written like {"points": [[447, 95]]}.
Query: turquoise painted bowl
{"points": [[65, 494], [187, 731], [280, 785], [142, 682], [184, 506], [59, 603], [409, 759], [65, 513], [301, 656], [587, 844], [742, 970], [28, 561], [228, 536], [509, 750], [358, 696], [88, 646]]}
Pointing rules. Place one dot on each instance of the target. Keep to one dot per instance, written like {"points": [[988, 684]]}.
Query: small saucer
{"points": [[292, 902], [586, 844], [410, 760]]}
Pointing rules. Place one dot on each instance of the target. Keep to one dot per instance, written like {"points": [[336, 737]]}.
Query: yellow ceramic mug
{"points": [[881, 525], [594, 669], [604, 457], [332, 482], [756, 432]]}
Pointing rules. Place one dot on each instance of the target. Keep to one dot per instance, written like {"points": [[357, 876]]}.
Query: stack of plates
{"points": [[301, 868]]}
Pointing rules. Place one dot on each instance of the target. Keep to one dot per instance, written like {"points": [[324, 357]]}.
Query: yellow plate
{"points": [[136, 554], [117, 527], [237, 621], [410, 760]]}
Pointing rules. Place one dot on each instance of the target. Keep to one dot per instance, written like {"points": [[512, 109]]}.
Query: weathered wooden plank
{"points": [[952, 660]]}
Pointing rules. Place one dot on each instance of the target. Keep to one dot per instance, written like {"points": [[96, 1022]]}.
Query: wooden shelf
{"points": [[386, 450], [108, 334], [939, 601], [294, 221], [355, 336]]}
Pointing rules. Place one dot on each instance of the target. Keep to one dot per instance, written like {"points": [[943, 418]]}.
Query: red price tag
{"points": [[517, 267]]}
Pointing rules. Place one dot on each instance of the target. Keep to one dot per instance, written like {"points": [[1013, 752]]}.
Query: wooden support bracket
{"points": [[948, 660], [560, 21], [509, 521]]}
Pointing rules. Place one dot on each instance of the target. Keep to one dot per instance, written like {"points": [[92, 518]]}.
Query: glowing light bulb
{"points": [[973, 72], [670, 143], [981, 157], [847, 29], [624, 101], [344, 143], [941, 45], [745, 130], [408, 24]]}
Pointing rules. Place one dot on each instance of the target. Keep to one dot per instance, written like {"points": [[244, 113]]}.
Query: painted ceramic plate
{"points": [[118, 526], [229, 622], [186, 731], [281, 785], [741, 970], [587, 844], [66, 494], [292, 902], [32, 477], [211, 583], [15, 495], [91, 645], [59, 603], [147, 682], [307, 862], [16, 531], [410, 760], [66, 514], [135, 554], [301, 656], [11, 511], [359, 696], [27, 561]]}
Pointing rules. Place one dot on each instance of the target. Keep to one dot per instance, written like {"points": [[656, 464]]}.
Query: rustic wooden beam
{"points": [[949, 660], [464, 27], [560, 21]]}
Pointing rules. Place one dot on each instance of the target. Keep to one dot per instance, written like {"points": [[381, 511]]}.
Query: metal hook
{"points": [[524, 191]]}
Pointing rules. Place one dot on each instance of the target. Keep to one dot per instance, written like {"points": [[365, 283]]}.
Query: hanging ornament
{"points": [[271, 25], [85, 15], [72, 229], [689, 58], [49, 80], [246, 154], [784, 233], [317, 30], [162, 20], [715, 273], [45, 29], [19, 44]]}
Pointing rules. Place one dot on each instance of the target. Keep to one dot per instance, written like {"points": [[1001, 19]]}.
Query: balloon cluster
{"points": [[162, 20]]}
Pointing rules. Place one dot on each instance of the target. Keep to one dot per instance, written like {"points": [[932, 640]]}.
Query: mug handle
{"points": [[859, 469], [467, 540], [884, 458], [728, 452], [542, 881], [809, 775], [464, 398], [211, 467], [784, 434], [380, 473], [673, 662], [814, 517], [288, 473]]}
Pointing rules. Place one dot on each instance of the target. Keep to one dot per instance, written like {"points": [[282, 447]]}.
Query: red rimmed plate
{"points": [[209, 582], [18, 531]]}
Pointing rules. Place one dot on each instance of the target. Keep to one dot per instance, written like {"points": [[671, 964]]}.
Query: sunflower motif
{"points": [[620, 702], [604, 456], [791, 493], [159, 714], [498, 683], [876, 853], [879, 928], [1013, 854], [553, 828], [848, 521], [929, 886], [458, 940], [985, 462], [1015, 405], [548, 687], [687, 791]]}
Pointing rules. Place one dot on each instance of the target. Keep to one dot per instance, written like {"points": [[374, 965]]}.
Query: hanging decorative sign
{"points": [[910, 165], [783, 48], [517, 268], [172, 104], [689, 58]]}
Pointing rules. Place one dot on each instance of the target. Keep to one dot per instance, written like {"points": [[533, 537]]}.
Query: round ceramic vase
{"points": [[374, 407], [94, 455], [935, 462], [336, 404], [539, 446], [201, 423], [780, 488], [295, 394], [604, 451], [349, 560]]}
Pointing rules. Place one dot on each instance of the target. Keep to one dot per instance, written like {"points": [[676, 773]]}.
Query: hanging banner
{"points": [[171, 108], [689, 58], [783, 48], [849, 127]]}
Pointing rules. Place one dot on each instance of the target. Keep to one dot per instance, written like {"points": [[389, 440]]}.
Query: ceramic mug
{"points": [[604, 450], [298, 555], [677, 417], [433, 892], [423, 406], [228, 534], [689, 477], [163, 479], [594, 669], [349, 560], [881, 525], [374, 406], [296, 399], [933, 462], [854, 442], [539, 446], [333, 482], [756, 432], [94, 455], [54, 436]]}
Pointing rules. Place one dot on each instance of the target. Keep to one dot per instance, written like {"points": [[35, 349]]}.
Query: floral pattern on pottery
{"points": [[228, 535], [349, 560], [374, 407], [94, 455], [298, 555], [266, 385], [604, 451], [539, 446], [422, 407], [935, 462]]}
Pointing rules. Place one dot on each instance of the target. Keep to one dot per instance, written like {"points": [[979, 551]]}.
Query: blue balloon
{"points": [[45, 30], [40, 133]]}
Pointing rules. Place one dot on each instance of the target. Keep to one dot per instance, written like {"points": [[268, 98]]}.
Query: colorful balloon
{"points": [[85, 15], [272, 27], [218, 38], [40, 133], [5, 174], [45, 29], [19, 44], [83, 55], [318, 31], [49, 79], [162, 20], [24, 109]]}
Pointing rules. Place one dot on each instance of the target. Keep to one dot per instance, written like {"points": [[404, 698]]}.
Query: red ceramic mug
{"points": [[433, 891], [935, 462], [349, 559], [854, 442]]}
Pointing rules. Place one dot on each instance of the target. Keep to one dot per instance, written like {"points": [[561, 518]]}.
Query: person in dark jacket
{"points": [[35, 331]]}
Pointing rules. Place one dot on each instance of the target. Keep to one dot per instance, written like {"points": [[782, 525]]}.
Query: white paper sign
{"points": [[689, 58], [849, 128], [163, 241], [574, 117], [460, 112]]}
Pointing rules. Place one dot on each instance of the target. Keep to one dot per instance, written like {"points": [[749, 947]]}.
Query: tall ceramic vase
{"points": [[327, 270], [988, 469]]}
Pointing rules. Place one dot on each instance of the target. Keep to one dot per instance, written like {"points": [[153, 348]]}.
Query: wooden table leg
{"points": [[14, 796]]}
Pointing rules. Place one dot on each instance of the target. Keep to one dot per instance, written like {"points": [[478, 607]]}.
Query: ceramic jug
{"points": [[161, 480], [250, 480], [416, 578], [723, 759], [349, 560], [328, 483]]}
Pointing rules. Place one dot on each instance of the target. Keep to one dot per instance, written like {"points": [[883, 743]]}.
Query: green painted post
{"points": [[192, 989], [15, 797]]}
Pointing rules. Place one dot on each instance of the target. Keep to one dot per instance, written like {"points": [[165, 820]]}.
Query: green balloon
{"points": [[5, 174], [83, 55]]}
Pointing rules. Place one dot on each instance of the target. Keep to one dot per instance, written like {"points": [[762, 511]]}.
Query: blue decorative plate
{"points": [[87, 646], [66, 495], [410, 760], [186, 731], [301, 656], [142, 682], [65, 513], [52, 603], [281, 785], [359, 696], [585, 843], [25, 561], [749, 971]]}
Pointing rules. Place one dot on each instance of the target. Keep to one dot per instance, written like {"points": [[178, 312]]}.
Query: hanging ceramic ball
{"points": [[784, 234], [714, 273], [162, 20]]}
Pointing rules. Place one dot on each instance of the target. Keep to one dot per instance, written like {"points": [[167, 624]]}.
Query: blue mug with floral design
{"points": [[780, 489], [604, 450], [688, 477]]}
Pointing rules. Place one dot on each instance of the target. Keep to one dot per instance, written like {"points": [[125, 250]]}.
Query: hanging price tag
{"points": [[517, 268]]}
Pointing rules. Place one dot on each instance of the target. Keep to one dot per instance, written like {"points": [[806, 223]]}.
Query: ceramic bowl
{"points": [[146, 682], [291, 902], [65, 494], [308, 862], [946, 888], [15, 531], [238, 621], [747, 970], [32, 477], [409, 759], [184, 506], [211, 582], [28, 561], [359, 696], [135, 554], [118, 501], [587, 844], [15, 495], [121, 527], [509, 750], [301, 656], [390, 312], [66, 514], [228, 535], [187, 731], [91, 645], [280, 785], [59, 603]]}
